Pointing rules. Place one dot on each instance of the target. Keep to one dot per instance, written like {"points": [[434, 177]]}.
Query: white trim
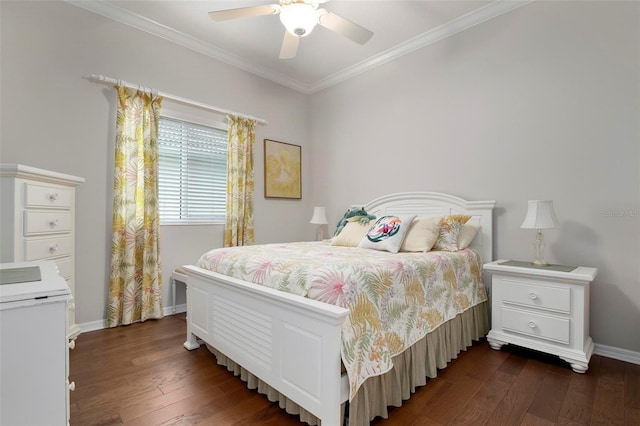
{"points": [[612, 352], [179, 309], [478, 16], [455, 26], [102, 324], [617, 353], [122, 15], [93, 325]]}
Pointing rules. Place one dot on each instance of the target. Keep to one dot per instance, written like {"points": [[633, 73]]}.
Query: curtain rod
{"points": [[108, 80]]}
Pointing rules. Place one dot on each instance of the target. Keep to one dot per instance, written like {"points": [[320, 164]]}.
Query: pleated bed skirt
{"points": [[412, 369]]}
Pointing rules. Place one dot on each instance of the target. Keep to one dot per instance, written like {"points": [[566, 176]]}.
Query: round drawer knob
{"points": [[53, 248], [533, 296], [72, 386], [53, 197], [532, 324], [53, 223], [72, 344]]}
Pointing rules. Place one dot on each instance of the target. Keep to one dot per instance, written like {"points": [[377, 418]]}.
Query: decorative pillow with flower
{"points": [[387, 233], [449, 231]]}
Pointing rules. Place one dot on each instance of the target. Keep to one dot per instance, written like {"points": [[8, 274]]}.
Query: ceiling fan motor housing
{"points": [[299, 18]]}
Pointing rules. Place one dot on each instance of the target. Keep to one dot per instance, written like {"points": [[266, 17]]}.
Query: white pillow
{"points": [[351, 234], [467, 233], [387, 233], [422, 233]]}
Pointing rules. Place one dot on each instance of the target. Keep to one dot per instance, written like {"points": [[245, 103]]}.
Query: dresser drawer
{"points": [[47, 196], [38, 222], [42, 248], [537, 325], [536, 295]]}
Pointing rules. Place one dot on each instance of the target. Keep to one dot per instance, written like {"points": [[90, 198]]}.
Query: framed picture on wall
{"points": [[282, 170]]}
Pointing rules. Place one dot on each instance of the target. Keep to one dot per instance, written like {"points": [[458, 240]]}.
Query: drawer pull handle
{"points": [[53, 223], [532, 324], [533, 296], [72, 344], [53, 197], [72, 386], [53, 248]]}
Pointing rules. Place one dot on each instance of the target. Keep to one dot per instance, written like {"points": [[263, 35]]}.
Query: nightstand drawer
{"points": [[537, 325], [536, 295]]}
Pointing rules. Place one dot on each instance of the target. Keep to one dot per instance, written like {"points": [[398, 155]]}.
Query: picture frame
{"points": [[282, 170]]}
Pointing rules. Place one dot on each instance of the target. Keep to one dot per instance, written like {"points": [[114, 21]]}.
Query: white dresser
{"points": [[34, 349], [37, 217], [542, 309]]}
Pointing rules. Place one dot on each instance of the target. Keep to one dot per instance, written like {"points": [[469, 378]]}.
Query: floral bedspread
{"points": [[394, 299]]}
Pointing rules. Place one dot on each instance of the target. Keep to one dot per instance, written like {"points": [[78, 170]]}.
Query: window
{"points": [[192, 175]]}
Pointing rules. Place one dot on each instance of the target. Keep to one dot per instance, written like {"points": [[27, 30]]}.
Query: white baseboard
{"points": [[102, 324], [93, 325], [617, 353], [602, 350], [179, 309]]}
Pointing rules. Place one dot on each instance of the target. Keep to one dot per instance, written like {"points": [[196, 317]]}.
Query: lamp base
{"points": [[540, 262], [539, 246], [320, 235]]}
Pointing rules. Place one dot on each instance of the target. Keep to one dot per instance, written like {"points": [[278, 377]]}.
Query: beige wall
{"points": [[539, 103]]}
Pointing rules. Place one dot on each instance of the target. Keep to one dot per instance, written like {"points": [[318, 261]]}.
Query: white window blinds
{"points": [[192, 183]]}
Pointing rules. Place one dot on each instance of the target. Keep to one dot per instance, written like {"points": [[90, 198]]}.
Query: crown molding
{"points": [[122, 15], [452, 27]]}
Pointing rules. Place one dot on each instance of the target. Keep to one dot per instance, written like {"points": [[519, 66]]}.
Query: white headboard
{"points": [[428, 203]]}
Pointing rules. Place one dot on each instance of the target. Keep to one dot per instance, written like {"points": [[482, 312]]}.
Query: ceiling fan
{"points": [[299, 17]]}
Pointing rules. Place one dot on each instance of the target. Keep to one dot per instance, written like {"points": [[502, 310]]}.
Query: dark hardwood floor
{"points": [[141, 375]]}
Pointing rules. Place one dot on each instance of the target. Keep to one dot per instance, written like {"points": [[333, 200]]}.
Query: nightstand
{"points": [[542, 308]]}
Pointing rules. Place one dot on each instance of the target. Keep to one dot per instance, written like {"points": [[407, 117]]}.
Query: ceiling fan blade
{"points": [[343, 26], [289, 46], [245, 12]]}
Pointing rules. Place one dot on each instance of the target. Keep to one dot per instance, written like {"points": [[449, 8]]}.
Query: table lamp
{"points": [[319, 218], [540, 215]]}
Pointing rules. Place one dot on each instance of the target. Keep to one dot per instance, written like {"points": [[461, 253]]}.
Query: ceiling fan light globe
{"points": [[299, 18]]}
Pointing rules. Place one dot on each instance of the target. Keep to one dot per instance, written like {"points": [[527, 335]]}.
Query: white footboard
{"points": [[290, 342]]}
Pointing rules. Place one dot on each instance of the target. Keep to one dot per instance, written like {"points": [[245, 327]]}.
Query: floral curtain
{"points": [[240, 187], [135, 291]]}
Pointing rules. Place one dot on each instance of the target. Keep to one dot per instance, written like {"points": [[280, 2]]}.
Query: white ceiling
{"points": [[324, 58]]}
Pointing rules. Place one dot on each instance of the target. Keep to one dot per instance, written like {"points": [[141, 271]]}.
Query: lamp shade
{"points": [[299, 18], [540, 215], [319, 216]]}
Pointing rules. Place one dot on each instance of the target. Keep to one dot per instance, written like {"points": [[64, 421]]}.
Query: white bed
{"points": [[292, 343]]}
